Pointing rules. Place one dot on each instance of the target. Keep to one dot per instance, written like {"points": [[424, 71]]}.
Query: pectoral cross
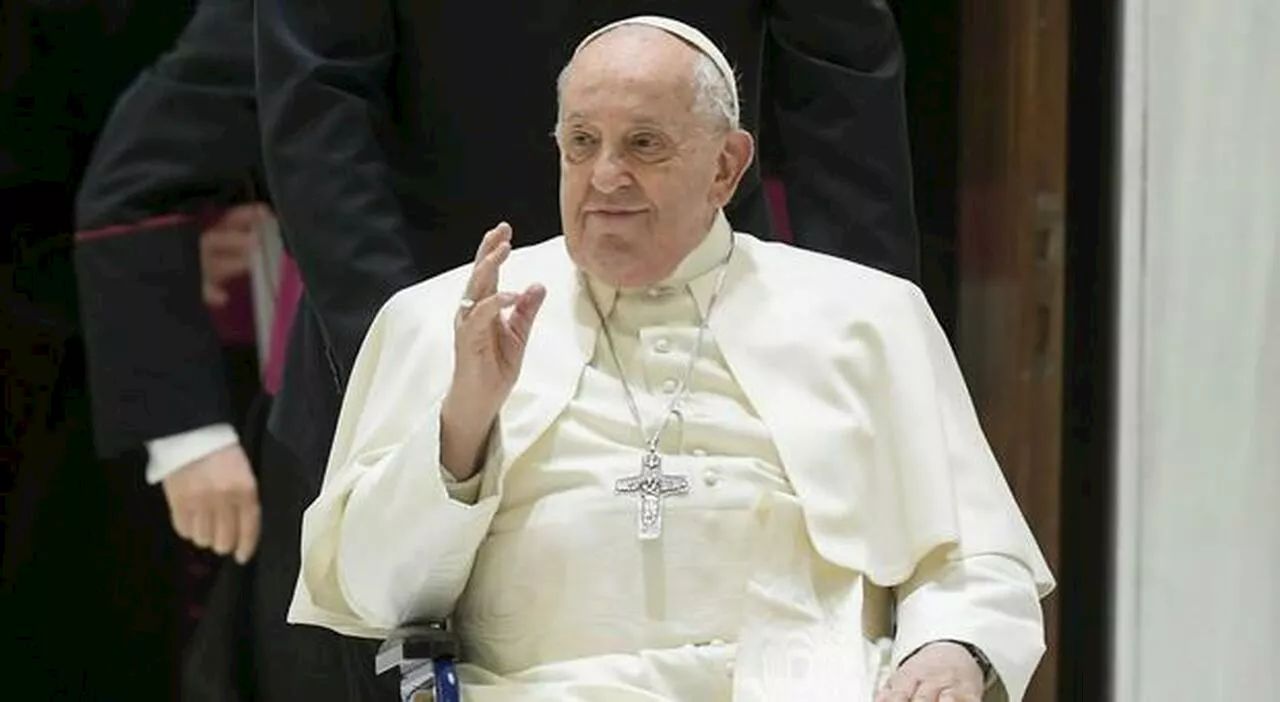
{"points": [[652, 485]]}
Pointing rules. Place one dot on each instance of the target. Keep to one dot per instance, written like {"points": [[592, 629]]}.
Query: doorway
{"points": [[1007, 102]]}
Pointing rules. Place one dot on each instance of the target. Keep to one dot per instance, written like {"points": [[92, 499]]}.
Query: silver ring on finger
{"points": [[465, 305]]}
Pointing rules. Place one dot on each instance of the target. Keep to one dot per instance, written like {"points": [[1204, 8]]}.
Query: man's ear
{"points": [[735, 156]]}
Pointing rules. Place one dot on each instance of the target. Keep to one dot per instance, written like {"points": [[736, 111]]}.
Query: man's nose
{"points": [[610, 172]]}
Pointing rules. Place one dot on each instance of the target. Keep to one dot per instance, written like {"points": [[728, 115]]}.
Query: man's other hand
{"points": [[226, 249], [213, 503], [939, 672]]}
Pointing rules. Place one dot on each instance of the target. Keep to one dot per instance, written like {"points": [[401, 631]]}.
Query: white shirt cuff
{"points": [[464, 491], [168, 454]]}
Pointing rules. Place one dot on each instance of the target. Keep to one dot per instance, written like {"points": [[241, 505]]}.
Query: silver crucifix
{"points": [[652, 485]]}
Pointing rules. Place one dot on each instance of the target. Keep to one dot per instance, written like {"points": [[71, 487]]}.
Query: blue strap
{"points": [[446, 680]]}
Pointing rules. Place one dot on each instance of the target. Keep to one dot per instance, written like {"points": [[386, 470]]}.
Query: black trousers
{"points": [[87, 597], [90, 594], [245, 649]]}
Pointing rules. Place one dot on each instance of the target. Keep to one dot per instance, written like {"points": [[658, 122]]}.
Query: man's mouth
{"points": [[615, 211]]}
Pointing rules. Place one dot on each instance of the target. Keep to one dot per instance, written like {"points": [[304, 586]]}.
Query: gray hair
{"points": [[713, 97]]}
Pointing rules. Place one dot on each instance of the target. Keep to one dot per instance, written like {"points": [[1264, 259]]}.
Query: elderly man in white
{"points": [[669, 461]]}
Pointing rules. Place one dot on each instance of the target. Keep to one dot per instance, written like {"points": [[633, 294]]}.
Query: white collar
{"points": [[691, 273]]}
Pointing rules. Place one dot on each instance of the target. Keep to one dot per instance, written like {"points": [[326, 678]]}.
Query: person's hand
{"points": [[491, 332], [226, 249], [489, 342], [213, 503], [939, 672]]}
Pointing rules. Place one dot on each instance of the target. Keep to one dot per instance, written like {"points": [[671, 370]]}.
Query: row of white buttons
{"points": [[710, 477]]}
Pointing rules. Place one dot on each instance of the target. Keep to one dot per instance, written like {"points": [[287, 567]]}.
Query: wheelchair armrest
{"points": [[418, 644]]}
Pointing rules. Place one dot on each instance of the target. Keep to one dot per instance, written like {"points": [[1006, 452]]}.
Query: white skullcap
{"points": [[689, 35]]}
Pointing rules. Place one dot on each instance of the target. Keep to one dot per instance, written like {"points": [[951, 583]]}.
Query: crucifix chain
{"points": [[651, 484]]}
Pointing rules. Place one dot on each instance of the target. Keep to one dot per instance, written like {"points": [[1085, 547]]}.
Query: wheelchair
{"points": [[425, 657]]}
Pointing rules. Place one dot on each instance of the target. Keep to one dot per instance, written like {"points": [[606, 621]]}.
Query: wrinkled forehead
{"points": [[633, 73], [633, 57]]}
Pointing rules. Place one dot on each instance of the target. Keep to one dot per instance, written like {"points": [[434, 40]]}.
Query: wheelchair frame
{"points": [[425, 656]]}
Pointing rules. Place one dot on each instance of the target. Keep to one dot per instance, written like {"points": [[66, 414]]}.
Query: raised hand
{"points": [[489, 343], [491, 332]]}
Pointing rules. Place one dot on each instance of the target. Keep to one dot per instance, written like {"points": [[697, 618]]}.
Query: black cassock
{"points": [[79, 616], [181, 145]]}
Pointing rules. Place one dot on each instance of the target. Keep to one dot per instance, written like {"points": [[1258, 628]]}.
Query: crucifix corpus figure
{"points": [[652, 485]]}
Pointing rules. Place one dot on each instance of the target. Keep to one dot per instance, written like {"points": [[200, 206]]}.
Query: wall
{"points": [[1198, 441]]}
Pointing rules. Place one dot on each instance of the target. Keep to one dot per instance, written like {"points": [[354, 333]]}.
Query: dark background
{"points": [[84, 612]]}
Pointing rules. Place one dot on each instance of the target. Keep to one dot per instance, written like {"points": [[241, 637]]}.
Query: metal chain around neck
{"points": [[652, 440]]}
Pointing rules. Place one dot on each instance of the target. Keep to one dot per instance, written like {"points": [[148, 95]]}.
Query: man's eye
{"points": [[578, 145], [646, 142]]}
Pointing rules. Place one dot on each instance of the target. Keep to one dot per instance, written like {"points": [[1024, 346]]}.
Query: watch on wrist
{"points": [[984, 663]]}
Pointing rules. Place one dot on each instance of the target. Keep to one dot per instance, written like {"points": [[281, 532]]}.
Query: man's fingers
{"points": [[487, 310], [484, 278], [899, 689], [202, 528], [225, 527], [491, 239], [243, 217], [527, 306], [215, 296], [224, 269], [927, 692], [493, 250], [222, 259], [228, 251], [249, 530], [486, 245], [181, 520], [227, 242]]}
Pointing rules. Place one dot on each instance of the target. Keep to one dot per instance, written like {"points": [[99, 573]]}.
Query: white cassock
{"points": [[832, 451]]}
